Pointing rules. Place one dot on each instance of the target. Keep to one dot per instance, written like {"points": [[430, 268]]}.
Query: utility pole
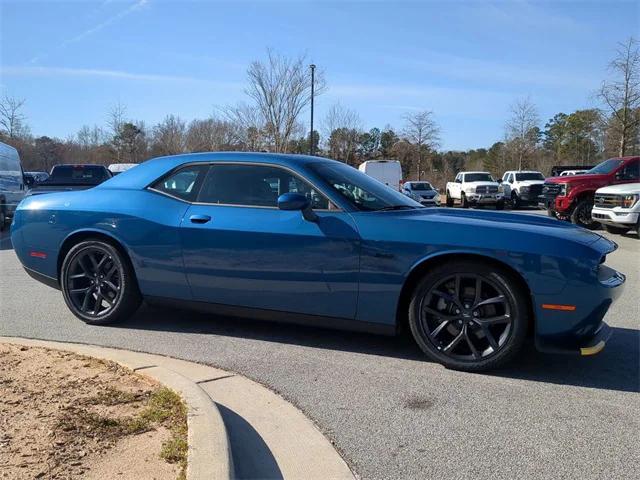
{"points": [[313, 70]]}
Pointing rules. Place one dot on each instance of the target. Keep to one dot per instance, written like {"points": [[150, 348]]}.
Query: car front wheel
{"points": [[98, 283], [469, 315], [581, 215]]}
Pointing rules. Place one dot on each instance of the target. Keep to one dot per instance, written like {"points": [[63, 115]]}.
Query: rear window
{"points": [[79, 174]]}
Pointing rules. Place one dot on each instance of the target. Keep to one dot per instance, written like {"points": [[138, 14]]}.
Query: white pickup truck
{"points": [[617, 207], [475, 188], [522, 187]]}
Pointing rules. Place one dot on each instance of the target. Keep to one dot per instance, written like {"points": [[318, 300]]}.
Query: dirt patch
{"points": [[67, 416]]}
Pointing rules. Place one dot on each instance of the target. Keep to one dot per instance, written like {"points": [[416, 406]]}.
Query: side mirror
{"points": [[296, 201], [499, 180], [29, 181]]}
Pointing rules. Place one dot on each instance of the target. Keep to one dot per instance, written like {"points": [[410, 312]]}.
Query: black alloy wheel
{"points": [[581, 214], [98, 284], [469, 316]]}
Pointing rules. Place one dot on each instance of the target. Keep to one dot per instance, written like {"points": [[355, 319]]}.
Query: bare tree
{"points": [[521, 131], [340, 117], [11, 116], [212, 134], [622, 95], [249, 125], [281, 89], [422, 131], [115, 121], [169, 136]]}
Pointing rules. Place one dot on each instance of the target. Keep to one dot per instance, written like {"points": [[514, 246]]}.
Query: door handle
{"points": [[199, 218]]}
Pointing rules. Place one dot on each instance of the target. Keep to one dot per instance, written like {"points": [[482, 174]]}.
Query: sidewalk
{"points": [[237, 427]]}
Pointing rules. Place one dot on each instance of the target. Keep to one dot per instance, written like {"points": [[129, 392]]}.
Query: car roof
{"points": [[147, 172]]}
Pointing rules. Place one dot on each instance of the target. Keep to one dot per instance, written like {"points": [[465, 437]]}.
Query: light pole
{"points": [[313, 71]]}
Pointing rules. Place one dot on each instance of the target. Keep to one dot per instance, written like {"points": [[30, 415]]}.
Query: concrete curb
{"points": [[209, 454], [237, 427]]}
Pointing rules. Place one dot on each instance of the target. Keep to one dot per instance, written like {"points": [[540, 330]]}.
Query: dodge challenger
{"points": [[309, 240]]}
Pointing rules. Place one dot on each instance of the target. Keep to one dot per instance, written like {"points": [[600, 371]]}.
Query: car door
{"points": [[239, 249], [630, 173]]}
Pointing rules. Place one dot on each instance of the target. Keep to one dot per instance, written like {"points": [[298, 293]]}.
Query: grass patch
{"points": [[162, 407]]}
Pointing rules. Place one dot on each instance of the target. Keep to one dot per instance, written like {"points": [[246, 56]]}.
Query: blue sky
{"points": [[467, 61]]}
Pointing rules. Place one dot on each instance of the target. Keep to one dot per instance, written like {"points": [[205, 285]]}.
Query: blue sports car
{"points": [[314, 241]]}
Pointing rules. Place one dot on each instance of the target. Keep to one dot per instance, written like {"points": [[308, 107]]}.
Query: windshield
{"points": [[478, 177], [607, 166], [421, 186], [78, 174], [360, 190], [529, 176]]}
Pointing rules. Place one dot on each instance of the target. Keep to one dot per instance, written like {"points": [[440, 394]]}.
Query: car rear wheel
{"points": [[98, 283], [469, 315], [616, 230], [581, 214]]}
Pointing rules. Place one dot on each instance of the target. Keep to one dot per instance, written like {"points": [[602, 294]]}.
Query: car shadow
{"points": [[616, 368]]}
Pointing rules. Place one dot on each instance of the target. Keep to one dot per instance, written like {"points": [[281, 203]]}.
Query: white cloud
{"points": [[34, 71], [96, 28]]}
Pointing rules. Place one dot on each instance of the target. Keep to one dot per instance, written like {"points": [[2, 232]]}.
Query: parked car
{"points": [[116, 168], [72, 177], [422, 192], [38, 177], [522, 187], [13, 186], [617, 207], [475, 188], [567, 173], [388, 172], [571, 197], [326, 245]]}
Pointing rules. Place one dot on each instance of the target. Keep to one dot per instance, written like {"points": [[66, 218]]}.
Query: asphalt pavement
{"points": [[390, 412]]}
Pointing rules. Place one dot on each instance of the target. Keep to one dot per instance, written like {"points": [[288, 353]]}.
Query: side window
{"points": [[504, 177], [458, 178], [184, 183], [510, 179], [255, 186], [631, 171]]}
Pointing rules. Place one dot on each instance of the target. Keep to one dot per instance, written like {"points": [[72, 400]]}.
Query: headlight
{"points": [[437, 198], [525, 189], [501, 188], [564, 189], [629, 201], [470, 190]]}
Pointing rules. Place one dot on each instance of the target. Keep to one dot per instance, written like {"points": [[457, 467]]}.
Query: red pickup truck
{"points": [[571, 197]]}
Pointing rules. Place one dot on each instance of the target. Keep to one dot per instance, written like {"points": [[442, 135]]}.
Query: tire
{"points": [[95, 271], [449, 200], [515, 201], [511, 311], [500, 205], [616, 230], [551, 213], [581, 214], [463, 200], [3, 219]]}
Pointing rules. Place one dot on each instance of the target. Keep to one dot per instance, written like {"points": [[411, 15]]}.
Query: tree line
{"points": [[278, 92]]}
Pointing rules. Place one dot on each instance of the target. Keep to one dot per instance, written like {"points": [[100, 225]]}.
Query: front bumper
{"points": [[615, 216], [580, 331], [488, 198]]}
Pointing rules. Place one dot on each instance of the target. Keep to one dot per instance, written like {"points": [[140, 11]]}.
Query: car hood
{"points": [[509, 225], [624, 188], [482, 184], [578, 178], [528, 183]]}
